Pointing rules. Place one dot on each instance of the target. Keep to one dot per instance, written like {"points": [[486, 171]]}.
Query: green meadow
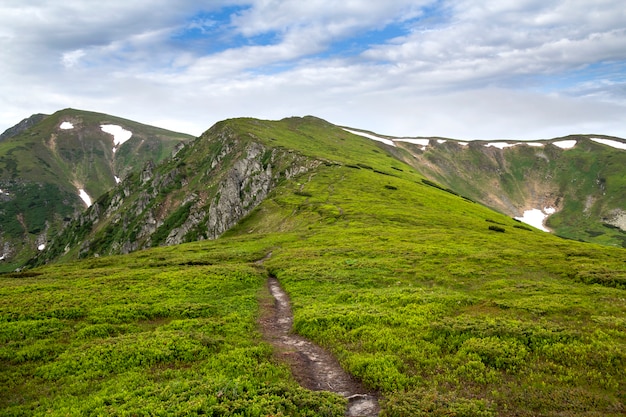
{"points": [[161, 332], [443, 307]]}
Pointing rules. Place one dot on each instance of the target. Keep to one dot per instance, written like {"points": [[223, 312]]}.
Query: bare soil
{"points": [[313, 367]]}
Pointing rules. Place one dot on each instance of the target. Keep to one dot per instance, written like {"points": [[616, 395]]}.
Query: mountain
{"points": [[209, 185], [434, 302], [575, 182], [52, 166], [201, 192]]}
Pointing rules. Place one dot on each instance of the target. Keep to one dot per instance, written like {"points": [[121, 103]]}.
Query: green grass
{"points": [[421, 301], [167, 332]]}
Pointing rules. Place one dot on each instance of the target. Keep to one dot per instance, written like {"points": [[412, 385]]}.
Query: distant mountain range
{"points": [[574, 186], [77, 184], [53, 166]]}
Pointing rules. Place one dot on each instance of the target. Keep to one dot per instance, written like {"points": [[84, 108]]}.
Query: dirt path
{"points": [[312, 366]]}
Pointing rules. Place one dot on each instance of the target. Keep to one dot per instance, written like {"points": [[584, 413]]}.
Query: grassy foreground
{"points": [[444, 307], [162, 332]]}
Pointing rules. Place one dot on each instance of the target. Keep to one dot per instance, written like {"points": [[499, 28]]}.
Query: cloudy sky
{"points": [[490, 69]]}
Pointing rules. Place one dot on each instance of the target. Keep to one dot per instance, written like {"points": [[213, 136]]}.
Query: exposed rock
{"points": [[618, 219], [147, 173]]}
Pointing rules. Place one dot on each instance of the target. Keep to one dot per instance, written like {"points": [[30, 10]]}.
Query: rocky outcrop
{"points": [[242, 188]]}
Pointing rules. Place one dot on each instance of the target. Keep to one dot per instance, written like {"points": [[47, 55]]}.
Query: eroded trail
{"points": [[312, 366]]}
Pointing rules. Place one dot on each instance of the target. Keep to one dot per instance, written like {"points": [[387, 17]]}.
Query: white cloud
{"points": [[491, 69], [72, 58]]}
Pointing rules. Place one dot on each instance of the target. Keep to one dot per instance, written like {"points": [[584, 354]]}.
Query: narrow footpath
{"points": [[313, 367]]}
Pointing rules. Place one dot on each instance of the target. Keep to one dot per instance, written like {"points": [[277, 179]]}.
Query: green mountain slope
{"points": [[46, 160], [584, 184], [211, 184], [440, 304]]}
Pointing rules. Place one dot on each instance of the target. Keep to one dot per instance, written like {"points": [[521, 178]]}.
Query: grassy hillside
{"points": [[83, 153], [585, 184], [43, 166], [442, 305]]}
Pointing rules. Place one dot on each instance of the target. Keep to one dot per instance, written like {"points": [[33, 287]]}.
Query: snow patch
{"points": [[612, 143], [66, 126], [84, 196], [422, 142], [41, 247], [565, 144], [535, 144], [120, 135], [2, 257], [501, 145], [441, 141], [537, 218], [373, 137], [117, 179], [463, 143]]}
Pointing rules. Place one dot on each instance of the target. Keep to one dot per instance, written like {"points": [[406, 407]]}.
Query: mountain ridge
{"points": [[513, 177]]}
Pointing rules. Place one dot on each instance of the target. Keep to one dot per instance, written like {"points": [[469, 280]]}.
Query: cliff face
{"points": [[203, 190]]}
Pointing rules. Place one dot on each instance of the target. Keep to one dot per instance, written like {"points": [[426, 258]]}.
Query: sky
{"points": [[490, 69]]}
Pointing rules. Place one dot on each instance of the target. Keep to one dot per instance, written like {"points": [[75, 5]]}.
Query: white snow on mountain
{"points": [[613, 143], [501, 145], [117, 179], [565, 144], [120, 135], [41, 247], [66, 126], [422, 142], [369, 136], [537, 217], [84, 196]]}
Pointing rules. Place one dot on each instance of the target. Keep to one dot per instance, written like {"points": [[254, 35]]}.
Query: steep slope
{"points": [[197, 194], [439, 304], [51, 167], [576, 182]]}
